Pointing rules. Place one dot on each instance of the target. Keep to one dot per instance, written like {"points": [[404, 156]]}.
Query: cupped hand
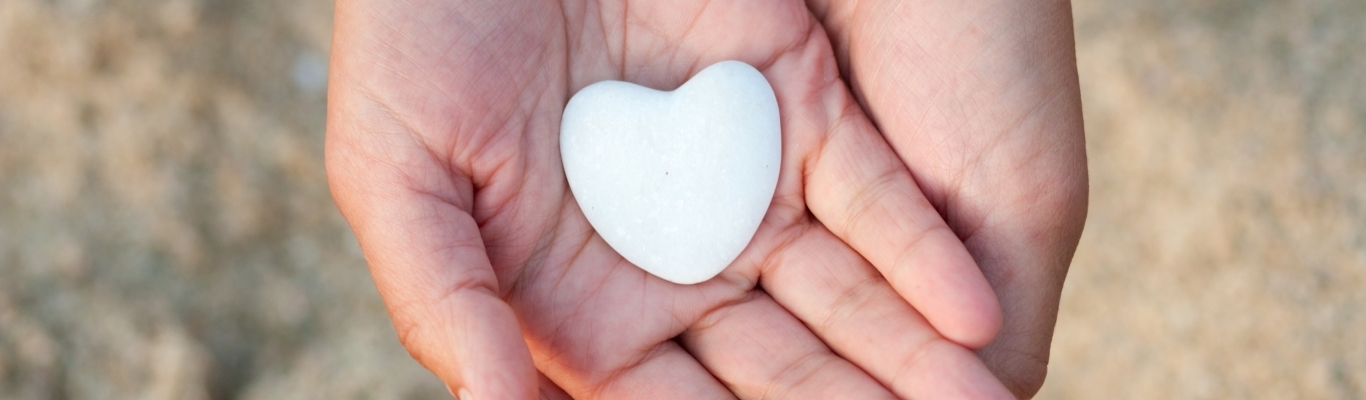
{"points": [[442, 153], [980, 100]]}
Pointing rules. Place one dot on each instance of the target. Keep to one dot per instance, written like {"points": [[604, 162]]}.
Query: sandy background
{"points": [[166, 231]]}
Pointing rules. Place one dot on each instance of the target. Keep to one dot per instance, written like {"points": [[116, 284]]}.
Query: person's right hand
{"points": [[442, 153]]}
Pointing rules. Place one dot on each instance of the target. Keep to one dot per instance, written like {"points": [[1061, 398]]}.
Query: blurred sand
{"points": [[166, 230], [1225, 251], [165, 225]]}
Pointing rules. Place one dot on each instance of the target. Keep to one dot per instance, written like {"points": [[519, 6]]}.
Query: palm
{"points": [[465, 120]]}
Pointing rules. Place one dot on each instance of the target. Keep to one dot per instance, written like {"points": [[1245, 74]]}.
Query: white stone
{"points": [[676, 182]]}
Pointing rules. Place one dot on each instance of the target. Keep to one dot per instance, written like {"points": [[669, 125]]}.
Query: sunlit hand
{"points": [[442, 153], [980, 99]]}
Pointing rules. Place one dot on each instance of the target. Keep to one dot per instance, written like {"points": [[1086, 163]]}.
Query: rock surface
{"points": [[676, 182]]}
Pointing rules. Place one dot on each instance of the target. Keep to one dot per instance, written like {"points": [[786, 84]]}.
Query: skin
{"points": [[980, 100], [442, 153]]}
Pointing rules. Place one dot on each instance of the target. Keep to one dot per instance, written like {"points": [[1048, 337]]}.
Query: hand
{"points": [[980, 100], [442, 153]]}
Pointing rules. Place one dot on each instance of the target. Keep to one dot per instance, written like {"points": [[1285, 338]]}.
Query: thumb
{"points": [[429, 264]]}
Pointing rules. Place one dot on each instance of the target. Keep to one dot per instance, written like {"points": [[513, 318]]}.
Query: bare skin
{"points": [[980, 100], [442, 153]]}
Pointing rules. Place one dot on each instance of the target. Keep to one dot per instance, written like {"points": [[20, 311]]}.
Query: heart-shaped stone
{"points": [[676, 182]]}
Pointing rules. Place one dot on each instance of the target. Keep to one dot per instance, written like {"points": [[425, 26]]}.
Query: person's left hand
{"points": [[980, 100]]}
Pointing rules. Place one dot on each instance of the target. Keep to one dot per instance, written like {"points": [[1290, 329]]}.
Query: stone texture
{"points": [[676, 182]]}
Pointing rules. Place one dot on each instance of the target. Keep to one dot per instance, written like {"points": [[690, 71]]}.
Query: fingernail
{"points": [[464, 395]]}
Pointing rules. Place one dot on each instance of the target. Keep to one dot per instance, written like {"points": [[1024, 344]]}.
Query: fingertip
{"points": [[477, 349], [505, 372], [993, 319], [988, 386], [994, 389], [978, 382], [961, 305], [982, 321], [958, 373], [979, 327]]}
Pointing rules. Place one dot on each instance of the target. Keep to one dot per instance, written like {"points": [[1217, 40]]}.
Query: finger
{"points": [[601, 328], [668, 372], [759, 350], [849, 306], [665, 372], [424, 251], [857, 188], [410, 206], [428, 263], [549, 390], [994, 81], [864, 194]]}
